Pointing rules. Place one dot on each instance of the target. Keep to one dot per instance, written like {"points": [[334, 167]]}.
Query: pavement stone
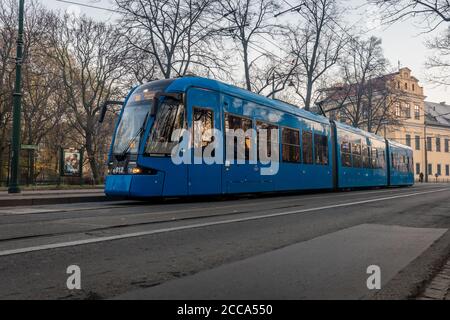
{"points": [[439, 287]]}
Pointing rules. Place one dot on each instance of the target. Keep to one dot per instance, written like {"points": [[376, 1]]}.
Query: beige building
{"points": [[425, 126]]}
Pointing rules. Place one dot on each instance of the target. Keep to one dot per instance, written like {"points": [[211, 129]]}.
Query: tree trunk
{"points": [[92, 158], [308, 96], [1, 165], [248, 82]]}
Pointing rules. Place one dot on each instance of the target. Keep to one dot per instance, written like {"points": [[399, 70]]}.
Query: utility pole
{"points": [[17, 98], [426, 152]]}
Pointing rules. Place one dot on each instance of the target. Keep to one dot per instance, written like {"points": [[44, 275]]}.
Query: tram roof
{"points": [[361, 132], [181, 84], [399, 145]]}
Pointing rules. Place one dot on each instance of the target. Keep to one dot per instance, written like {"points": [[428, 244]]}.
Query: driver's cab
{"points": [[143, 141]]}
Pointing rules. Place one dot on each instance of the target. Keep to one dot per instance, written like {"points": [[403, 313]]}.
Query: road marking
{"points": [[202, 225]]}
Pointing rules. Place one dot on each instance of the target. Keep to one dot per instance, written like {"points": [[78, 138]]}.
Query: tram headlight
{"points": [[136, 170]]}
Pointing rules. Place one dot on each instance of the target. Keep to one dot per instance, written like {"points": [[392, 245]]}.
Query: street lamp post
{"points": [[17, 99]]}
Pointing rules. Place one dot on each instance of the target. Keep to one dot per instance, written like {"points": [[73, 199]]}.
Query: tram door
{"points": [[205, 174]]}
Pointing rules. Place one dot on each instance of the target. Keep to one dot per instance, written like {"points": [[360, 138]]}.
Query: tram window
{"points": [[321, 149], [366, 157], [346, 154], [307, 139], [235, 123], [291, 145], [381, 159], [375, 159], [203, 125], [170, 117], [268, 141], [356, 155]]}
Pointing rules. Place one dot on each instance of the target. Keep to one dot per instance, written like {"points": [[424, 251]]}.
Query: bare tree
{"points": [[316, 45], [245, 21], [42, 107], [8, 15], [174, 36], [366, 96], [142, 66], [434, 12], [440, 60], [275, 75], [37, 114], [89, 59]]}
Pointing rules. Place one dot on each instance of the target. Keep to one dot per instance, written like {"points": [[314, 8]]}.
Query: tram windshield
{"points": [[170, 118], [134, 117], [131, 127]]}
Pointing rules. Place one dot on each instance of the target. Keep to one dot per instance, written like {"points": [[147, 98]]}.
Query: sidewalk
{"points": [[43, 197], [439, 287], [326, 267]]}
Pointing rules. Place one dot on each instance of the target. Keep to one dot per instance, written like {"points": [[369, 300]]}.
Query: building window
{"points": [[413, 87], [417, 168], [417, 142], [407, 111], [438, 170], [447, 142], [321, 149], [447, 170], [429, 147], [397, 109], [430, 169], [291, 145], [438, 144], [406, 86], [307, 142], [408, 140], [416, 112], [342, 115]]}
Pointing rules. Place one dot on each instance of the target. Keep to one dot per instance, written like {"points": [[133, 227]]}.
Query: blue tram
{"points": [[313, 152]]}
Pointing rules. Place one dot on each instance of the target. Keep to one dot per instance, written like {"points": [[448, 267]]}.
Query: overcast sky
{"points": [[401, 42]]}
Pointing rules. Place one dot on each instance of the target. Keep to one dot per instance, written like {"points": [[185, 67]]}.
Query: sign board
{"points": [[29, 147], [71, 162]]}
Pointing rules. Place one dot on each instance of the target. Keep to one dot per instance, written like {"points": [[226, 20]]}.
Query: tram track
{"points": [[262, 198], [175, 216], [105, 234]]}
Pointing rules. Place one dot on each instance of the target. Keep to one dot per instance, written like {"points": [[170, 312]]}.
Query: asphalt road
{"points": [[276, 247]]}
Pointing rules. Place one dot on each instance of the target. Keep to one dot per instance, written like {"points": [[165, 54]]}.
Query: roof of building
{"points": [[437, 113], [340, 91]]}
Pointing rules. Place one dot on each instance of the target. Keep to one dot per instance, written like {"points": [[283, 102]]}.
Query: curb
{"points": [[55, 200]]}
